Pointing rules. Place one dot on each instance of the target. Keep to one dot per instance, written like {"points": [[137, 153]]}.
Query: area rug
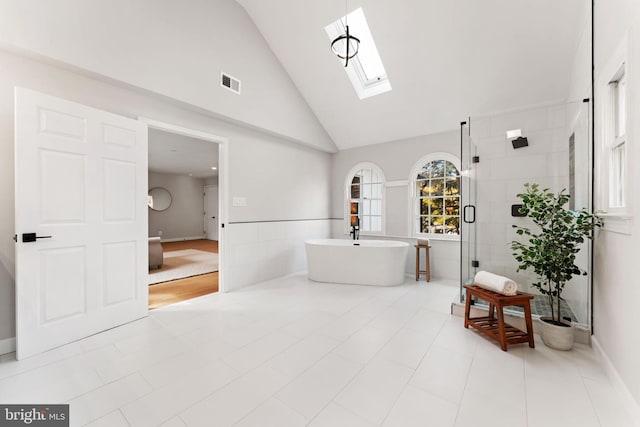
{"points": [[185, 263]]}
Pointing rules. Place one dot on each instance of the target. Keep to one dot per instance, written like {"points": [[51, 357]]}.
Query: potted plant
{"points": [[550, 251]]}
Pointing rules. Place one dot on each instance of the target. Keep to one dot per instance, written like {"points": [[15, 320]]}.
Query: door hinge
{"points": [[475, 159], [475, 263], [15, 238]]}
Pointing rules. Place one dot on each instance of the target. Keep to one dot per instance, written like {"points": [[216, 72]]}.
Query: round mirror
{"points": [[159, 199]]}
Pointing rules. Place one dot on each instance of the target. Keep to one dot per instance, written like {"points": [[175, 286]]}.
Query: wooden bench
{"points": [[497, 328]]}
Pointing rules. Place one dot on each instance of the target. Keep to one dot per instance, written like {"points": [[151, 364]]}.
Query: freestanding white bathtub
{"points": [[361, 262]]}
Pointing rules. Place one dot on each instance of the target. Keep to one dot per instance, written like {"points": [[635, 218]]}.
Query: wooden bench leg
{"points": [[491, 310], [428, 265], [467, 310], [527, 319], [501, 331], [417, 264]]}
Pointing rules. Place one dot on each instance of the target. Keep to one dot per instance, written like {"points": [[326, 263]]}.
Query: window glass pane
{"points": [[376, 223], [424, 173], [366, 207], [620, 108], [366, 223], [376, 207], [452, 205], [422, 188], [424, 206], [437, 168], [452, 225], [354, 208], [375, 178], [437, 187], [355, 191], [366, 176], [354, 220], [437, 223], [618, 161], [376, 191], [424, 224], [451, 169], [437, 206], [452, 186], [366, 191], [356, 178]]}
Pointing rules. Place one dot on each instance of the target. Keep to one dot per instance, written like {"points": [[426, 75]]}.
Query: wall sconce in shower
{"points": [[517, 140]]}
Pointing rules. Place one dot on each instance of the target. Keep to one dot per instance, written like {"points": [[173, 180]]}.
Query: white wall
{"points": [[211, 180], [616, 290], [397, 159], [173, 50], [261, 251], [286, 190], [580, 81], [184, 219], [281, 180]]}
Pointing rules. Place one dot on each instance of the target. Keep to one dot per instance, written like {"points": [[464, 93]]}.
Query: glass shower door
{"points": [[468, 194], [557, 154]]}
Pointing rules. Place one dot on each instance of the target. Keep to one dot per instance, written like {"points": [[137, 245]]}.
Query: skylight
{"points": [[365, 70]]}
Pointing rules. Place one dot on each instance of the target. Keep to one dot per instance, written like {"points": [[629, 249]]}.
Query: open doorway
{"points": [[183, 240]]}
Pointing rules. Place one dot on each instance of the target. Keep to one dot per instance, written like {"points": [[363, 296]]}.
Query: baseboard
{"points": [[182, 239], [629, 402], [7, 345]]}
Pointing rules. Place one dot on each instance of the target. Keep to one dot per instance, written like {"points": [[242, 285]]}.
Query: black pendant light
{"points": [[345, 46]]}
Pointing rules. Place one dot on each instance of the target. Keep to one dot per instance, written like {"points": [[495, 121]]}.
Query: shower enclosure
{"points": [[557, 154]]}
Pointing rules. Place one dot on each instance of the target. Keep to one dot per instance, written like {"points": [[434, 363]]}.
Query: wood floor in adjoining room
{"points": [[166, 293]]}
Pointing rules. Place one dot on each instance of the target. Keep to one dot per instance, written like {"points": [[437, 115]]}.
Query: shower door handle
{"points": [[467, 218]]}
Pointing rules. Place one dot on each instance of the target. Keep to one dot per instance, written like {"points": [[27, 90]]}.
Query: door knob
{"points": [[31, 237]]}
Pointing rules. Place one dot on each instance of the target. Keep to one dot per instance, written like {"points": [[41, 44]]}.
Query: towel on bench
{"points": [[493, 282]]}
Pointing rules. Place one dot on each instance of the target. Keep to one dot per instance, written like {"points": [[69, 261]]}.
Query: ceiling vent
{"points": [[230, 83]]}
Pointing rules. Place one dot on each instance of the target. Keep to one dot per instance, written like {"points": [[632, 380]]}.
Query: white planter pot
{"points": [[557, 337]]}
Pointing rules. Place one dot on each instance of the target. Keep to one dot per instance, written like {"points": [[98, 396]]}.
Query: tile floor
{"points": [[290, 352]]}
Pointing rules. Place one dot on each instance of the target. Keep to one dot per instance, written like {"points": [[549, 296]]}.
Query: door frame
{"points": [[223, 189]]}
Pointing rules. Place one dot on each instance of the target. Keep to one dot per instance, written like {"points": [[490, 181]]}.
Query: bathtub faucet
{"points": [[355, 232]]}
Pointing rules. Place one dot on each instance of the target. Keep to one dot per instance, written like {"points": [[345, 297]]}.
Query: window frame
{"points": [[414, 198], [617, 219], [347, 199], [364, 86], [616, 142]]}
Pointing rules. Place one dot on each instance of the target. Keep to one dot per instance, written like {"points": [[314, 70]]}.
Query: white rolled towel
{"points": [[493, 282]]}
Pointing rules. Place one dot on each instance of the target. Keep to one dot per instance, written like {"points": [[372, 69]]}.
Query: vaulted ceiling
{"points": [[446, 60]]}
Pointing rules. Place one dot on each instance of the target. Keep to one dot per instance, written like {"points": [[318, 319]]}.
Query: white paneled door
{"points": [[81, 221], [211, 211]]}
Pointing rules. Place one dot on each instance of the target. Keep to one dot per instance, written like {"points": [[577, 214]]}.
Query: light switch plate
{"points": [[239, 201]]}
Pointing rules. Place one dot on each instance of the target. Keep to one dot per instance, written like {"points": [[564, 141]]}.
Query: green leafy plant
{"points": [[552, 246]]}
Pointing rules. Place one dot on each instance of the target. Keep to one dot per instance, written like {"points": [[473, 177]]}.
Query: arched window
{"points": [[365, 198], [436, 195]]}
